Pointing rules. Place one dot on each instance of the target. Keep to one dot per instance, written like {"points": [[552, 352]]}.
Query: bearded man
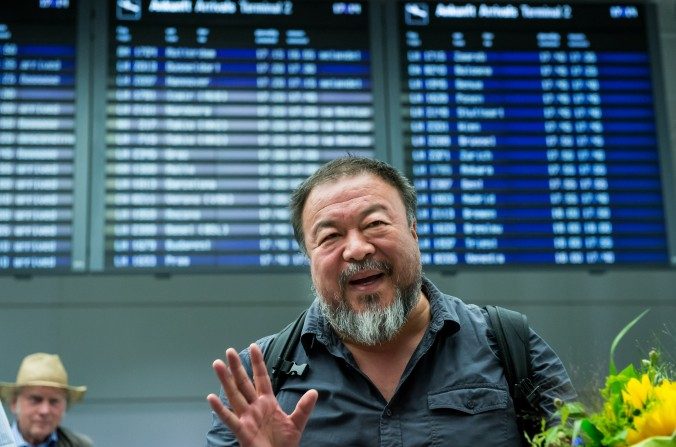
{"points": [[393, 361]]}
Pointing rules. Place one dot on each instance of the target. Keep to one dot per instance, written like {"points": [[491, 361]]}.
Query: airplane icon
{"points": [[128, 9], [416, 14]]}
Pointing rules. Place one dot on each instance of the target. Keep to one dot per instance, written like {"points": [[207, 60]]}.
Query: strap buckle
{"points": [[287, 368]]}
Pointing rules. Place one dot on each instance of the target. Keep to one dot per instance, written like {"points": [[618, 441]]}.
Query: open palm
{"points": [[255, 416]]}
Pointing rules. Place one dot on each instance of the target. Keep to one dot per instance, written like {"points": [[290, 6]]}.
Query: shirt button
{"points": [[470, 404], [388, 412]]}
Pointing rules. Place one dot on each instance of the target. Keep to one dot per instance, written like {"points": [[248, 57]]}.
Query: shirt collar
{"points": [[444, 315], [20, 442]]}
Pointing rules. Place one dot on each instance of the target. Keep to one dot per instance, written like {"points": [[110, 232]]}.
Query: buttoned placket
{"points": [[390, 421], [390, 428]]}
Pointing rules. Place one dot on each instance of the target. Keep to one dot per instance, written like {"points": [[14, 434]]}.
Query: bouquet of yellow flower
{"points": [[639, 409]]}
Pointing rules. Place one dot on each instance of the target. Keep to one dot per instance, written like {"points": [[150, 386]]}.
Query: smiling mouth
{"points": [[366, 280], [364, 274]]}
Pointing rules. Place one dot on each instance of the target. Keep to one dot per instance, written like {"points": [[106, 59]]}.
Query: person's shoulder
{"points": [[69, 438], [439, 297], [451, 310], [263, 343]]}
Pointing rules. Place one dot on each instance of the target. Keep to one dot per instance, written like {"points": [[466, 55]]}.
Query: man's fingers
{"points": [[235, 397], [303, 409], [225, 415], [260, 371], [240, 376]]}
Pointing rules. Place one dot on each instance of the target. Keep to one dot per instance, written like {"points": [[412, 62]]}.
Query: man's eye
{"points": [[375, 223], [327, 238]]}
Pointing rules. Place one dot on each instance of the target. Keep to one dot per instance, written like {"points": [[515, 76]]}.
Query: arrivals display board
{"points": [[165, 136], [215, 112], [531, 133]]}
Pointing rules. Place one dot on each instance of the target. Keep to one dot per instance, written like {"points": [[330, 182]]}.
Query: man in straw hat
{"points": [[39, 399]]}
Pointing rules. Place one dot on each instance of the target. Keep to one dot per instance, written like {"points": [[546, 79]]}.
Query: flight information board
{"points": [[530, 133], [215, 112], [37, 136], [166, 135]]}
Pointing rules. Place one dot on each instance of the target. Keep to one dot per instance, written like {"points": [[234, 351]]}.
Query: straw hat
{"points": [[42, 369]]}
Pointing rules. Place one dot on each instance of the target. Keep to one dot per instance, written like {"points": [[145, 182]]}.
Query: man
{"points": [[39, 399], [392, 360]]}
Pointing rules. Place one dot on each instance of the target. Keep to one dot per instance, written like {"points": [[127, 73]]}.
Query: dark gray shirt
{"points": [[452, 393]]}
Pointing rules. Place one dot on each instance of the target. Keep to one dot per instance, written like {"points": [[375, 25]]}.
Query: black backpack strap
{"points": [[279, 355], [512, 335]]}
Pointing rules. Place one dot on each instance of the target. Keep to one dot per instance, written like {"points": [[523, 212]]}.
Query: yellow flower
{"points": [[636, 393], [660, 418]]}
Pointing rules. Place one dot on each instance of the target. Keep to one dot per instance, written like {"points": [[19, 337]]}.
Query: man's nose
{"points": [[44, 406], [357, 247]]}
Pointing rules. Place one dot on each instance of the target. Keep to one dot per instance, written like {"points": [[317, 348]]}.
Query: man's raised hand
{"points": [[255, 416]]}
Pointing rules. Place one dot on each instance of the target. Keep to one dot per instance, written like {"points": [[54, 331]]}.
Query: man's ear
{"points": [[414, 229]]}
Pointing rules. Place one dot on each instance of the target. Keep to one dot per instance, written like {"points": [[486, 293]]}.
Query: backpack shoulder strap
{"points": [[512, 335], [278, 356]]}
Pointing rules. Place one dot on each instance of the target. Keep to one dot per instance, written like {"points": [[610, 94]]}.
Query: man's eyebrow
{"points": [[330, 223], [373, 208], [324, 223]]}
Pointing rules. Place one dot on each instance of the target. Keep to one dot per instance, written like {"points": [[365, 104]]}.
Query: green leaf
{"points": [[616, 341], [590, 432], [576, 409], [552, 437], [629, 372], [619, 438]]}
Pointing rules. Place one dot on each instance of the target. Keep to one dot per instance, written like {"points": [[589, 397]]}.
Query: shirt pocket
{"points": [[471, 415]]}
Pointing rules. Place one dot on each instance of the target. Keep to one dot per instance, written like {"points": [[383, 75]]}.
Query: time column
{"points": [[576, 150]]}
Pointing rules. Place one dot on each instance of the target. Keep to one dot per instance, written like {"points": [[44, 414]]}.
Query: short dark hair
{"points": [[349, 166]]}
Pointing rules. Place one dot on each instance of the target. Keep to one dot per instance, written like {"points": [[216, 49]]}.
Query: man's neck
{"points": [[384, 364]]}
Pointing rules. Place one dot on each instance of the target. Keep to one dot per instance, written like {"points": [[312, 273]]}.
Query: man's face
{"points": [[363, 254], [38, 411]]}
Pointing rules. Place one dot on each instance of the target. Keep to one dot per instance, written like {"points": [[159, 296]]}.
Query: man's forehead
{"points": [[348, 189], [42, 391], [349, 186]]}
